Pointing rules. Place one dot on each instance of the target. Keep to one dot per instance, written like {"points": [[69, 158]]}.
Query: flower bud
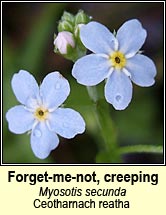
{"points": [[67, 17], [82, 18], [63, 40], [65, 26]]}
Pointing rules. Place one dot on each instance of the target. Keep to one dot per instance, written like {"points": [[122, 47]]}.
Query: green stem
{"points": [[92, 92], [108, 152], [141, 149]]}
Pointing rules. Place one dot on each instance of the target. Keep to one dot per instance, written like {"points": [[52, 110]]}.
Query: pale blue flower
{"points": [[40, 113], [116, 59]]}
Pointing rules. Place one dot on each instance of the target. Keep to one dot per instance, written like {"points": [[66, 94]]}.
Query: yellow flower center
{"points": [[118, 60], [41, 114]]}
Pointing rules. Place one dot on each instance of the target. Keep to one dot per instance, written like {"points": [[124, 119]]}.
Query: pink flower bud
{"points": [[62, 40]]}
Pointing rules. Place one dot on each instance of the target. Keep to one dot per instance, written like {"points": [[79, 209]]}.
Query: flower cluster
{"points": [[40, 113], [116, 59], [67, 42]]}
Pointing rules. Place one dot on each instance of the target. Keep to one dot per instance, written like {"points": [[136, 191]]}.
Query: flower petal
{"points": [[118, 90], [97, 38], [66, 122], [142, 70], [19, 119], [131, 36], [91, 69], [54, 90], [43, 141], [24, 87]]}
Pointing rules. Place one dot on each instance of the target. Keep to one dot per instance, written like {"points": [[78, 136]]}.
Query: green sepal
{"points": [[75, 53]]}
